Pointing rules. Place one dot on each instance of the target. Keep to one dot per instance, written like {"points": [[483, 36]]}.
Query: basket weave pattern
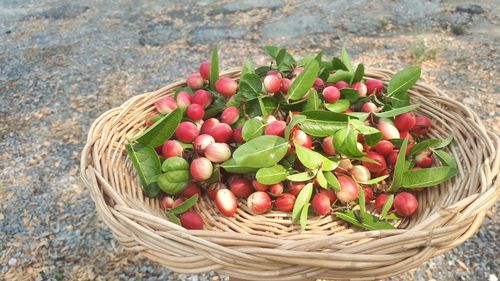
{"points": [[269, 247]]}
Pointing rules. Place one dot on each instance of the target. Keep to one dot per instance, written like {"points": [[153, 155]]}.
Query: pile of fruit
{"points": [[309, 136]]}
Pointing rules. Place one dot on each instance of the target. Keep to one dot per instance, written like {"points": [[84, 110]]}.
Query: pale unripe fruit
{"points": [[295, 187], [166, 105], [341, 85], [405, 204], [275, 73], [405, 121], [276, 189], [195, 81], [202, 97], [345, 164], [209, 125], [226, 86], [384, 147], [331, 94], [191, 220], [226, 202], [195, 112], [218, 152], [238, 134], [320, 204], [192, 189], [285, 84], [171, 148], [374, 86], [183, 99], [348, 189], [222, 132], [205, 70], [301, 138], [380, 201], [230, 115], [359, 146], [327, 145], [270, 118], [167, 203], [422, 126], [285, 202], [360, 87], [388, 131], [241, 187], [368, 107], [201, 143], [276, 128], [186, 132], [259, 202], [374, 167], [360, 173], [272, 84], [201, 169]]}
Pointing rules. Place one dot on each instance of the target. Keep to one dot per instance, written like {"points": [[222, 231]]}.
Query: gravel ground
{"points": [[63, 63]]}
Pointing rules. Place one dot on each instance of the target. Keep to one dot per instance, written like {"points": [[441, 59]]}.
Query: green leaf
{"points": [[305, 60], [302, 199], [184, 206], [374, 181], [446, 158], [252, 129], [303, 216], [369, 222], [371, 134], [324, 70], [427, 177], [262, 70], [322, 123], [304, 81], [295, 119], [147, 165], [361, 116], [397, 111], [387, 206], [253, 106], [350, 94], [361, 199], [338, 106], [358, 74], [250, 86], [320, 177], [400, 99], [423, 145], [247, 67], [271, 175], [399, 168], [337, 64], [215, 177], [173, 218], [283, 59], [344, 56], [340, 75], [161, 131], [261, 152], [403, 80], [214, 68], [445, 142], [300, 177], [345, 141], [333, 182], [232, 167], [313, 160], [313, 101]]}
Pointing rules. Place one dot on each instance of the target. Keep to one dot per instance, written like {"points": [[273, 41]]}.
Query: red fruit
{"points": [[285, 84], [275, 73], [183, 99], [422, 126], [360, 87], [424, 159], [177, 202], [285, 202], [331, 195], [294, 187], [226, 86], [319, 84], [237, 134], [368, 193], [214, 188], [327, 145], [171, 148], [341, 85], [392, 158], [276, 189], [384, 147], [166, 105], [301, 138], [360, 173], [259, 202], [230, 115], [226, 202], [195, 81], [201, 169], [404, 135], [374, 167], [201, 143], [380, 201], [191, 220], [195, 112], [348, 189], [349, 110], [388, 131], [192, 189], [167, 203], [205, 70], [276, 128], [321, 204], [218, 152], [405, 204], [222, 132], [298, 70], [186, 132], [208, 126], [259, 186], [374, 86], [405, 121], [368, 107], [331, 94], [202, 97], [241, 187], [272, 84]]}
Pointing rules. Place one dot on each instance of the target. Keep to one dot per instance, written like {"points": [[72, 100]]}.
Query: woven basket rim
{"points": [[325, 254]]}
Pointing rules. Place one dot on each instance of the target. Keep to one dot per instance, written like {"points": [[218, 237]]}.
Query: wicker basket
{"points": [[269, 247]]}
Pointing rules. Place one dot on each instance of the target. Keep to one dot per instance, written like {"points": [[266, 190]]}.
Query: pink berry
{"points": [[166, 105], [424, 159], [422, 126], [237, 134], [222, 132], [327, 145], [209, 125], [368, 107], [226, 86], [259, 202], [319, 84], [183, 99], [195, 81], [214, 188], [405, 204], [360, 87], [218, 152], [230, 115], [202, 97], [341, 85], [285, 202], [192, 189], [330, 194], [285, 84], [331, 94], [259, 186], [177, 202], [195, 112], [392, 158], [321, 204], [360, 173], [241, 187], [186, 132], [167, 203], [301, 138], [368, 193], [388, 131], [276, 128], [405, 121], [276, 189], [272, 84], [384, 147], [374, 167], [226, 202], [380, 202], [275, 73], [374, 86], [348, 189], [295, 187], [201, 169], [201, 143], [205, 70], [171, 148], [191, 220]]}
